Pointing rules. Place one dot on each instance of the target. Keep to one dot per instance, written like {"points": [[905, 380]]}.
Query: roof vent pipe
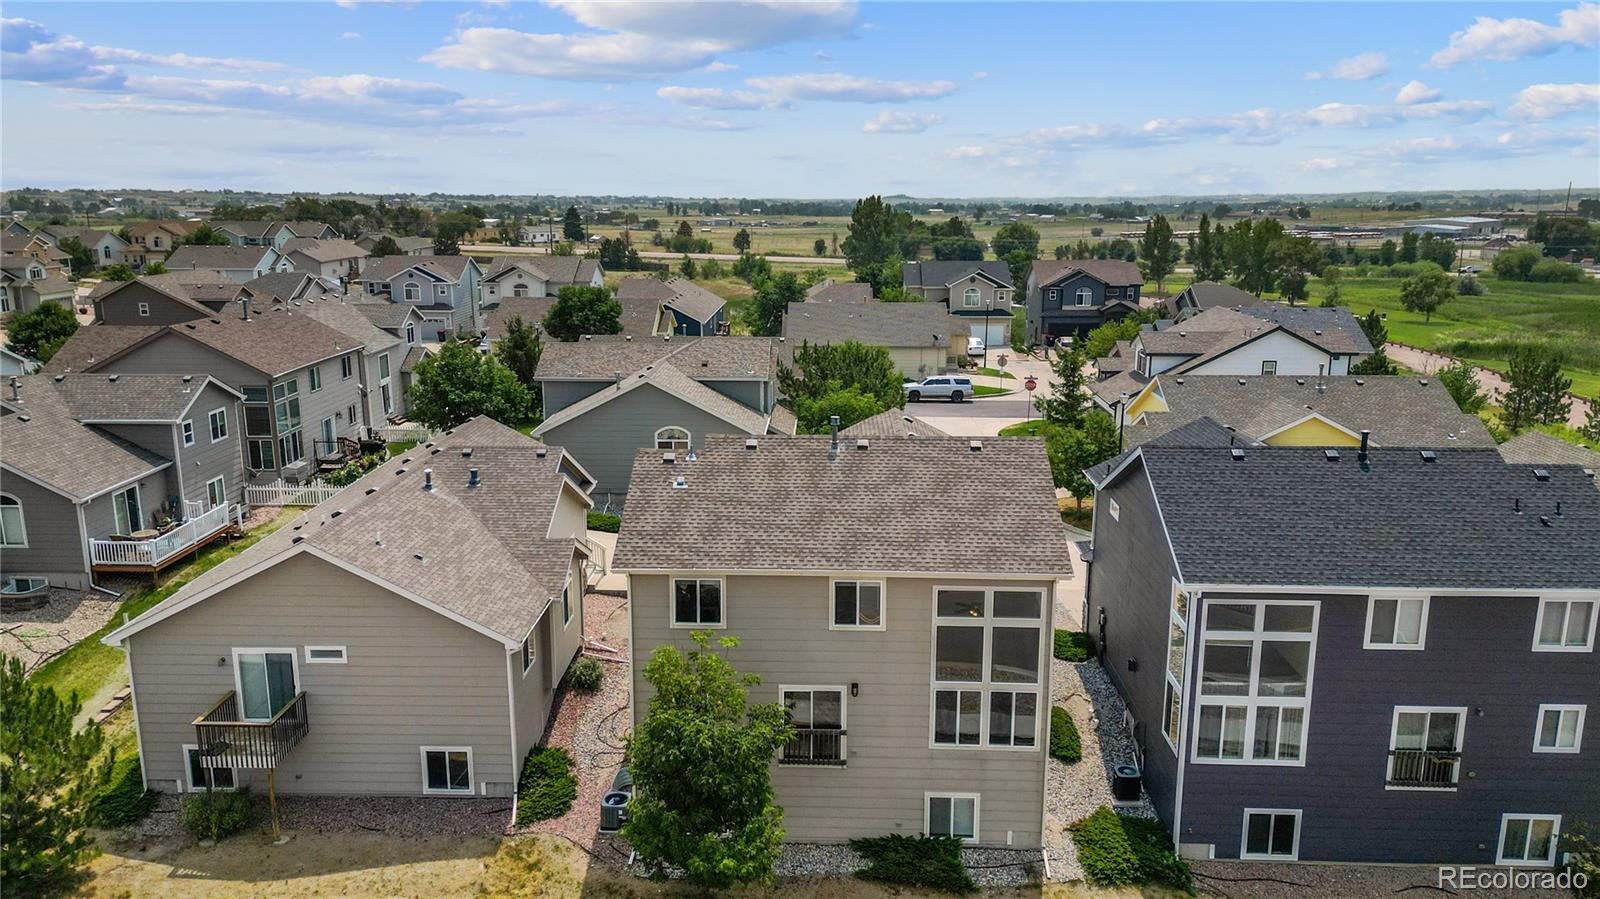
{"points": [[1365, 436], [472, 477], [16, 390], [833, 445], [244, 302], [427, 479]]}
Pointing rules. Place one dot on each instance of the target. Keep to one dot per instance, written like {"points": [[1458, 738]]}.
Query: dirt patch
{"points": [[67, 616]]}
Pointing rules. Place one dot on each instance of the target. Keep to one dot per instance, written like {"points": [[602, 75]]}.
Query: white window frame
{"points": [[314, 376], [211, 421], [138, 500], [977, 809], [186, 430], [189, 786], [238, 685], [1114, 509], [1248, 702], [222, 491], [529, 650], [144, 310], [844, 716], [1054, 294], [687, 441], [972, 298], [344, 655], [1083, 296], [883, 604], [1422, 626], [1538, 624], [22, 525], [471, 771], [1460, 711], [1269, 367], [1244, 835], [1176, 619], [984, 687], [566, 603], [411, 292], [411, 333], [347, 366], [1563, 708], [1555, 841], [672, 602]]}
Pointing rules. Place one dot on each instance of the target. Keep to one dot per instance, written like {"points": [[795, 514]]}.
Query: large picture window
{"points": [[1565, 625], [987, 667], [1255, 681], [857, 605], [697, 602]]}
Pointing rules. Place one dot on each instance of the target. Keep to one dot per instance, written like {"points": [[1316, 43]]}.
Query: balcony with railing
{"points": [[138, 553], [1424, 769], [225, 739], [814, 746]]}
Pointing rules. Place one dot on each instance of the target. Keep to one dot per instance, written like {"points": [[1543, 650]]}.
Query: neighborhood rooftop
{"points": [[272, 341], [382, 268], [884, 324], [892, 423], [800, 504], [614, 356], [943, 272], [46, 443]]}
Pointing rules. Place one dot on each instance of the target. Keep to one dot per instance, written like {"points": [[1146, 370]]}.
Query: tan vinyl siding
{"points": [[557, 645], [206, 460], [782, 624], [413, 678], [55, 548]]}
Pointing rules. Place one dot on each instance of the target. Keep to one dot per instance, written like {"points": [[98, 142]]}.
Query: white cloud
{"points": [[717, 98], [635, 40], [350, 36], [851, 88], [971, 152], [1416, 92], [1545, 101], [1361, 115], [979, 76], [1257, 126], [1363, 67], [1506, 40], [897, 122], [31, 52], [1325, 164]]}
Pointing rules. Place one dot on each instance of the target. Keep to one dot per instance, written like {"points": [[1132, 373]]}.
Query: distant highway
{"points": [[494, 249]]}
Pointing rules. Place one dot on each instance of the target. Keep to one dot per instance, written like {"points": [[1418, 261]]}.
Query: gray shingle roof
{"points": [[497, 569], [892, 423], [107, 398], [216, 258], [874, 324], [382, 268], [329, 250], [831, 291], [942, 272], [785, 505], [1210, 294], [1406, 522], [638, 317], [44, 441], [93, 344], [669, 378], [386, 315], [1398, 410], [1114, 272], [347, 320], [654, 289], [1111, 389], [287, 285], [559, 271], [273, 342], [1333, 328], [1539, 448], [693, 300], [705, 358]]}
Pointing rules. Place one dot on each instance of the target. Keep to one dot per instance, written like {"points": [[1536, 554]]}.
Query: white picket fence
{"points": [[282, 493], [399, 433]]}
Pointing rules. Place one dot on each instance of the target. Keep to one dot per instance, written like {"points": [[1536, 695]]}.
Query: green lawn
{"points": [[90, 666], [1032, 428], [996, 373], [986, 390]]}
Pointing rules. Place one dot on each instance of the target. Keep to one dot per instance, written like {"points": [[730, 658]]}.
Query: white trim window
{"points": [[411, 333], [1256, 660], [1396, 622], [326, 655], [818, 717], [314, 377], [673, 439], [217, 491], [1528, 840], [265, 681], [347, 366], [144, 310], [127, 511], [1115, 509], [187, 428], [857, 606], [447, 770], [528, 651], [1270, 834], [1565, 625], [1177, 642], [1425, 747], [988, 664], [197, 776], [1269, 366], [218, 420], [13, 524], [1559, 729], [971, 298], [951, 815], [1084, 296], [1054, 294], [699, 602], [566, 603], [412, 291]]}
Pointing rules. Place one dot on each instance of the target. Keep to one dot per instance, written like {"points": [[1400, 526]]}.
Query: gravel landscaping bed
{"points": [[37, 635], [1262, 880], [399, 816]]}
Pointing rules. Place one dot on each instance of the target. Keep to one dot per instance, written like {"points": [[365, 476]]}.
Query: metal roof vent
{"points": [[472, 477], [750, 443], [113, 378], [1544, 520], [427, 479], [466, 452], [24, 418], [1237, 454], [1422, 381], [1241, 382], [1541, 474], [862, 443], [691, 455], [1428, 456], [188, 378], [1178, 380], [1317, 331], [399, 471], [669, 458], [627, 338], [297, 539], [1361, 382], [1332, 455], [336, 513], [680, 483], [975, 446], [1300, 381], [371, 490], [541, 452]]}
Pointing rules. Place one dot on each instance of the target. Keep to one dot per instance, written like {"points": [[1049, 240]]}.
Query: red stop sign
{"points": [[1031, 384]]}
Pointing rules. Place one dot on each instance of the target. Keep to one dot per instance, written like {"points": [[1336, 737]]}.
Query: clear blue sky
{"points": [[824, 99]]}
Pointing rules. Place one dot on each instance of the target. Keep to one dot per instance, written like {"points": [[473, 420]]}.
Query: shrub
{"points": [[1065, 744], [123, 801], [547, 787], [933, 862], [585, 675], [600, 521], [1072, 646], [219, 813], [1579, 846], [1555, 271], [1468, 286], [1117, 850]]}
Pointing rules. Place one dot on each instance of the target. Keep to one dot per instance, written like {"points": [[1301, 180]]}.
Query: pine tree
{"points": [[1538, 392], [520, 351], [1377, 362], [572, 225], [1158, 252], [1067, 401], [1208, 262]]}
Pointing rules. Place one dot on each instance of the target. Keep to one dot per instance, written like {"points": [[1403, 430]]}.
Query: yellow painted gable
{"points": [[1148, 400], [1312, 432]]}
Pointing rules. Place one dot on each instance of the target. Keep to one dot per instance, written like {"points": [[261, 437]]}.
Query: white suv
{"points": [[954, 387]]}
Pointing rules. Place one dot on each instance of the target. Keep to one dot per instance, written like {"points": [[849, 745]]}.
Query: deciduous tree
{"points": [[582, 309], [771, 301], [1209, 264], [446, 245], [828, 368], [872, 242], [1073, 448], [741, 240], [458, 383], [1158, 252], [385, 246], [40, 331], [79, 257], [520, 350], [1014, 237], [814, 416], [819, 247], [1425, 292], [205, 236], [1066, 403]]}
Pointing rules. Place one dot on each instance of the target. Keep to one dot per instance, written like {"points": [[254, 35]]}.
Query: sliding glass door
{"points": [[266, 682]]}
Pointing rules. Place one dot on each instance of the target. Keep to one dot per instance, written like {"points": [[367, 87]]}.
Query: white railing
{"points": [[282, 493], [594, 566], [400, 433], [156, 550]]}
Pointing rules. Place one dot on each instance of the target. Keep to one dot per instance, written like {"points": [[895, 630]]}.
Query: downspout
{"points": [[177, 464]]}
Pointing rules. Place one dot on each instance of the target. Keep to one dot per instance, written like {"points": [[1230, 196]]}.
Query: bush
{"points": [[1118, 850], [1072, 646], [123, 801], [1468, 286], [932, 862], [1065, 745], [1556, 272], [585, 675], [600, 521], [219, 813], [547, 787], [351, 471]]}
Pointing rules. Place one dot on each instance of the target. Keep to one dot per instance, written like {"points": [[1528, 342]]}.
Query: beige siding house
{"points": [[916, 670], [360, 651], [922, 338]]}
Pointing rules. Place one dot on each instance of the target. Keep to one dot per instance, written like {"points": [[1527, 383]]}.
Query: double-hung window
{"points": [[188, 432], [447, 769], [1255, 681], [314, 376], [697, 602], [1528, 839], [1177, 641], [219, 424], [1396, 622], [987, 664], [529, 652], [1269, 366], [971, 298], [1559, 729], [347, 366], [857, 605], [1425, 747], [1085, 296], [1565, 625], [817, 715], [951, 815]]}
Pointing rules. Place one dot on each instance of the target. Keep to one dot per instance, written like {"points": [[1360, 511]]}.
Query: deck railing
{"points": [[283, 493], [814, 746], [226, 740], [154, 551], [1423, 768]]}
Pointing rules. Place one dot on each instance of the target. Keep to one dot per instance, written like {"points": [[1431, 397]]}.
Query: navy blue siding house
{"points": [[1075, 296], [1382, 656]]}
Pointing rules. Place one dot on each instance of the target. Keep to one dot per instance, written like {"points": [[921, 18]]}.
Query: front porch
{"points": [[152, 552]]}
